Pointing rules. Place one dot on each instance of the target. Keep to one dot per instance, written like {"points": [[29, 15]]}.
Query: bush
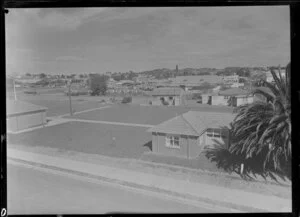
{"points": [[165, 102], [196, 96], [127, 99], [30, 92]]}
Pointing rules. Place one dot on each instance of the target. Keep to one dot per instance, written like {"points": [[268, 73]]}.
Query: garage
{"points": [[22, 115]]}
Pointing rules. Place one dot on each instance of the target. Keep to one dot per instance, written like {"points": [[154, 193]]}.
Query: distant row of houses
{"points": [[177, 96]]}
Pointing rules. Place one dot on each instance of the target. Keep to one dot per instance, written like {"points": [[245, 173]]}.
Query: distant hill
{"points": [[167, 73]]}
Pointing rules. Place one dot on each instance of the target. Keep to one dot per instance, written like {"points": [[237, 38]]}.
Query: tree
{"points": [[127, 99], [263, 128], [98, 84], [42, 75]]}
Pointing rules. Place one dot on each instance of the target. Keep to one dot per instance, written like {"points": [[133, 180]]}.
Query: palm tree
{"points": [[263, 128]]}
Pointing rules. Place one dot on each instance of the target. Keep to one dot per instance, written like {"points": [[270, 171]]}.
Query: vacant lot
{"points": [[138, 114], [129, 142]]}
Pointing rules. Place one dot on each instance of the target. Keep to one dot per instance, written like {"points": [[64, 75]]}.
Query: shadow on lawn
{"points": [[149, 145], [231, 162]]}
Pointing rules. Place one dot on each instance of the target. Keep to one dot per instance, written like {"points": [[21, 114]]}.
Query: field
{"points": [[98, 138], [59, 104], [130, 142], [137, 114]]}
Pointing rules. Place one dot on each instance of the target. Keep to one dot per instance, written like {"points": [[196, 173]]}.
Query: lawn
{"points": [[59, 105], [139, 114], [88, 138], [201, 162]]}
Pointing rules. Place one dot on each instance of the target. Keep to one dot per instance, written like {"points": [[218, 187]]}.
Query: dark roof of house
{"points": [[17, 107], [193, 123], [234, 92], [167, 91], [264, 89]]}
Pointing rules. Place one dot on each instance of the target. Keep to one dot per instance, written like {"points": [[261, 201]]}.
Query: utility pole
{"points": [[15, 93], [14, 84], [70, 99]]}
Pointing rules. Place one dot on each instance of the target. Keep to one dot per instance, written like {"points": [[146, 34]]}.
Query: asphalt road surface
{"points": [[32, 191]]}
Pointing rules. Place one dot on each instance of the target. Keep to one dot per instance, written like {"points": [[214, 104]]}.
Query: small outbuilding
{"points": [[167, 96], [22, 115], [186, 135], [237, 96]]}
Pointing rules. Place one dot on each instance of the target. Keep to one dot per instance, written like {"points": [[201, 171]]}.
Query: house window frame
{"points": [[171, 140], [216, 133]]}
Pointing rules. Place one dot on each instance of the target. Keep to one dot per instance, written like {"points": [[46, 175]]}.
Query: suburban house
{"points": [[230, 97], [186, 135], [236, 96], [237, 85], [195, 81], [231, 79], [167, 96], [21, 115]]}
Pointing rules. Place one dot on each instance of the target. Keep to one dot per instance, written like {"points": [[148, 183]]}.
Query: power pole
{"points": [[15, 93], [70, 99]]}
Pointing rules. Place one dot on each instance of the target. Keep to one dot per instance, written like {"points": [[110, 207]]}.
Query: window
{"points": [[216, 133], [226, 97], [172, 141]]}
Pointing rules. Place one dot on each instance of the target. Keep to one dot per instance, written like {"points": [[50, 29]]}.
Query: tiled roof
{"points": [[265, 89], [234, 92], [166, 91], [15, 107], [194, 123]]}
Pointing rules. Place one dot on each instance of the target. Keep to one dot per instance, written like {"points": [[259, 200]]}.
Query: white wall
{"points": [[219, 100]]}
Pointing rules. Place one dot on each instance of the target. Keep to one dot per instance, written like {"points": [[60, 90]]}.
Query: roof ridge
{"points": [[188, 123]]}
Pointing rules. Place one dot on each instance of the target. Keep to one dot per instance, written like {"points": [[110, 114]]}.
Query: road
{"points": [[32, 191]]}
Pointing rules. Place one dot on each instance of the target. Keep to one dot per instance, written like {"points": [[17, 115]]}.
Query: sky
{"points": [[98, 40]]}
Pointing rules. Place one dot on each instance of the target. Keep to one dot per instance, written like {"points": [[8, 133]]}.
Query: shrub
{"points": [[165, 102], [127, 99]]}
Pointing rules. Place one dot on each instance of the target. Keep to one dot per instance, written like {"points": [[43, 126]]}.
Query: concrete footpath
{"points": [[218, 196]]}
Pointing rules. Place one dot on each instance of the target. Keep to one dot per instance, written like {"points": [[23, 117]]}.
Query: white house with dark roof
{"points": [[231, 97], [237, 96], [167, 96], [186, 135], [21, 115]]}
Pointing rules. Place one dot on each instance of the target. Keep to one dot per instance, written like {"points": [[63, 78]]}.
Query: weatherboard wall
{"points": [[189, 146]]}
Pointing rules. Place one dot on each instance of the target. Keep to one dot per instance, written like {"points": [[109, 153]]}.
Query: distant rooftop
{"points": [[167, 91], [264, 89], [198, 79], [17, 107], [234, 92], [194, 123]]}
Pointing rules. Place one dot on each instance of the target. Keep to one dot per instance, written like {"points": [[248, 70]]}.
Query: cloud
{"points": [[69, 58], [61, 18]]}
